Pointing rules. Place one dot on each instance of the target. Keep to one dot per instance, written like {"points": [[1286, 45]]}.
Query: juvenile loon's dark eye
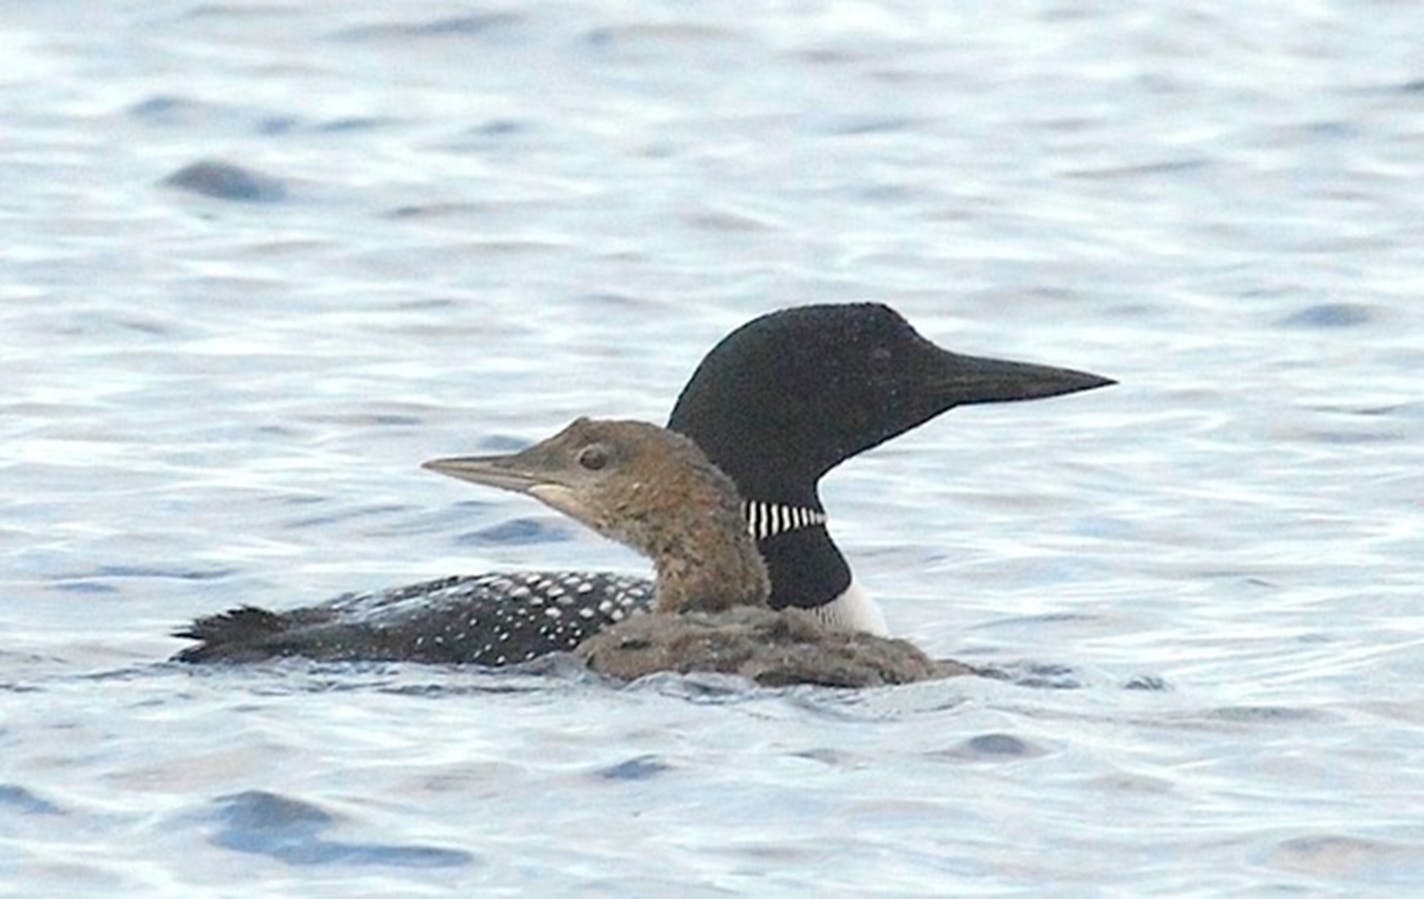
{"points": [[592, 457]]}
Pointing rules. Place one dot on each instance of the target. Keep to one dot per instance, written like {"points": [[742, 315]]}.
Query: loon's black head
{"points": [[788, 396]]}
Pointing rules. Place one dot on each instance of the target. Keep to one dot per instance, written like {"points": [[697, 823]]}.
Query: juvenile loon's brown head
{"points": [[649, 488]]}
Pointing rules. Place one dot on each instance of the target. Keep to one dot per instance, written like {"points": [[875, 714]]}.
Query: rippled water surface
{"points": [[453, 228]]}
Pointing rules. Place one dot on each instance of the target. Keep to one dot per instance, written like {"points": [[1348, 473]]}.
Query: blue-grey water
{"points": [[455, 227]]}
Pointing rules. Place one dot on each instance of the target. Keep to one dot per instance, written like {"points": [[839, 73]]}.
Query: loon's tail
{"points": [[228, 635]]}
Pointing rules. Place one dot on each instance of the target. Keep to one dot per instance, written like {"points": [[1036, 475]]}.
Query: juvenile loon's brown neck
{"points": [[706, 560]]}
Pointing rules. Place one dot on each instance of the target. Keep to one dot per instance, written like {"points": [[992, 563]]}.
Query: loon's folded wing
{"points": [[489, 619]]}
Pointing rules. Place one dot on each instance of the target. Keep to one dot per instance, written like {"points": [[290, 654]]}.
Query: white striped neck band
{"points": [[769, 519]]}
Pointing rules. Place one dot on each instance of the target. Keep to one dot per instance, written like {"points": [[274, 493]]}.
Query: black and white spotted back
{"points": [[489, 619]]}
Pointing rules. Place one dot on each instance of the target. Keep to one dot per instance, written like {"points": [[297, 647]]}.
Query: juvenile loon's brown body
{"points": [[658, 493]]}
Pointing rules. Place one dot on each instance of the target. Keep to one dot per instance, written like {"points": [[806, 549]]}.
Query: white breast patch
{"points": [[853, 610]]}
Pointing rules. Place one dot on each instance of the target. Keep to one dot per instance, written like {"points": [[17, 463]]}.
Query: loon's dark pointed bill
{"points": [[979, 379], [507, 472], [541, 471]]}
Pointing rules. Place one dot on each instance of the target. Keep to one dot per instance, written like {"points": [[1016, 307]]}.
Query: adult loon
{"points": [[658, 493], [775, 405]]}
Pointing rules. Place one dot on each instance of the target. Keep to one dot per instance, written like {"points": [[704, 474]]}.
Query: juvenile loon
{"points": [[775, 405], [658, 493]]}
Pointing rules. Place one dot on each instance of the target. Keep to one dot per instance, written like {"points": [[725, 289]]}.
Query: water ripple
{"points": [[290, 831]]}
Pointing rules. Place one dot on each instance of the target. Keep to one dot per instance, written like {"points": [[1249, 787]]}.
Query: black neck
{"points": [[806, 568]]}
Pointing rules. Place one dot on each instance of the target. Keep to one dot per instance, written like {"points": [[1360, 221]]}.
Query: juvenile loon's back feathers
{"points": [[775, 405]]}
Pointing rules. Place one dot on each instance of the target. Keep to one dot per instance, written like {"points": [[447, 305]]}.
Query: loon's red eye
{"points": [[592, 457]]}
